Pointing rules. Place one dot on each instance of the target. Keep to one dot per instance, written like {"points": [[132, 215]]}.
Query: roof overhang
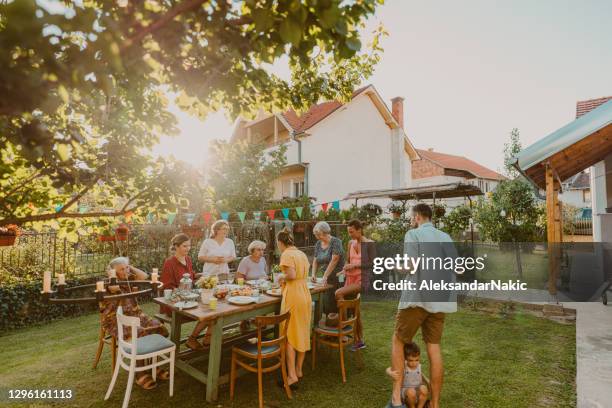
{"points": [[570, 149], [450, 190]]}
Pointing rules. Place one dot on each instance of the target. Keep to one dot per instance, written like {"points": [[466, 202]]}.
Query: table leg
{"points": [[317, 311], [175, 330], [214, 361]]}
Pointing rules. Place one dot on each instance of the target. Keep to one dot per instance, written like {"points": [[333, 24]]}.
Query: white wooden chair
{"points": [[154, 347]]}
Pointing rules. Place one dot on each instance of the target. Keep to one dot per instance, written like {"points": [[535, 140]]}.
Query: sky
{"points": [[470, 71]]}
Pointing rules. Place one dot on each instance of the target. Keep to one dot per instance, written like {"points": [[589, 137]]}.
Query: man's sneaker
{"points": [[358, 346]]}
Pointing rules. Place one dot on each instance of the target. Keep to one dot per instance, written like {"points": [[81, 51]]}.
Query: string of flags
{"points": [[208, 216]]}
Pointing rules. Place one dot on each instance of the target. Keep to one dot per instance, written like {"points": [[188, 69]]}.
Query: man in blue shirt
{"points": [[420, 309]]}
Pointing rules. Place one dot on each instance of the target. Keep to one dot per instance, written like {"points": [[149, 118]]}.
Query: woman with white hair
{"points": [[125, 272], [253, 267], [329, 258], [217, 251]]}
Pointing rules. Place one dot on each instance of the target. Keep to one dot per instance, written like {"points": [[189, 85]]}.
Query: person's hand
{"points": [[282, 279], [347, 267], [341, 273], [314, 278], [219, 260], [324, 281], [395, 375]]}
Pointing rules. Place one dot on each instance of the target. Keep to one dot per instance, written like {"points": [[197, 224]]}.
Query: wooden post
{"points": [[249, 137], [275, 130], [554, 230]]}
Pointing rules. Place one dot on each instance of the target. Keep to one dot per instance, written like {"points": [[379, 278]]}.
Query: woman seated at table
{"points": [[361, 253], [328, 257], [172, 272], [253, 267], [217, 251], [148, 325], [297, 300]]}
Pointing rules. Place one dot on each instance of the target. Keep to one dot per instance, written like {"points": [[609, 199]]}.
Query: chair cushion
{"points": [[332, 330], [149, 344], [252, 348]]}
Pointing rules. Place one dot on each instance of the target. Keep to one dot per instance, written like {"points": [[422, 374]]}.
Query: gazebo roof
{"points": [[570, 149], [420, 193]]}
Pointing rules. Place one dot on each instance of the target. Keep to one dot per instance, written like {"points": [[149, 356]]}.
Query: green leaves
{"points": [[291, 31]]}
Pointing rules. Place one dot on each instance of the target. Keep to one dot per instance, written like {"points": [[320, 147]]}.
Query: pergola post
{"points": [[554, 228]]}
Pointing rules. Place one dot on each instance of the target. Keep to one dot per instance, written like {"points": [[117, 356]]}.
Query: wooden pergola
{"points": [[558, 156]]}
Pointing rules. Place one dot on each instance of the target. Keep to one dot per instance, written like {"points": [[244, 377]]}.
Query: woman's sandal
{"points": [[206, 340], [194, 344], [163, 374], [146, 382]]}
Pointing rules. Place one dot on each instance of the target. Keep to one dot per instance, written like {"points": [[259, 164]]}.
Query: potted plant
{"points": [[8, 235], [106, 236], [396, 209], [121, 232]]}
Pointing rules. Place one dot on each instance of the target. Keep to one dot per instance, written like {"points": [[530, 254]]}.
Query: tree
{"points": [[511, 149], [242, 173], [85, 89]]}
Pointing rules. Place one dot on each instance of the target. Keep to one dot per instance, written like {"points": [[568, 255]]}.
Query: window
{"points": [[298, 189], [586, 195]]}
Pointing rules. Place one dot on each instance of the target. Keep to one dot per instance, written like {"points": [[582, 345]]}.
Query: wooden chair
{"points": [[153, 350], [103, 339], [261, 351], [341, 336]]}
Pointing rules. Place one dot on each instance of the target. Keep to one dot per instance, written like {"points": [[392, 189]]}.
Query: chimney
{"points": [[397, 110]]}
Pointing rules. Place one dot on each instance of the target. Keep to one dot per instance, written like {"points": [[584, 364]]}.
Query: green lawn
{"points": [[490, 361]]}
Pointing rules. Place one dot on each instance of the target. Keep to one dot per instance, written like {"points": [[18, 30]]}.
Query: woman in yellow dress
{"points": [[296, 299]]}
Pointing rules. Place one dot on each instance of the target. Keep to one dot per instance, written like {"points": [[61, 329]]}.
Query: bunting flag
{"points": [[171, 217], [324, 206], [150, 218], [206, 216], [257, 215], [298, 210], [83, 209], [31, 206], [58, 207], [285, 212], [241, 215], [224, 215], [128, 216], [189, 217], [271, 214], [336, 205], [313, 210]]}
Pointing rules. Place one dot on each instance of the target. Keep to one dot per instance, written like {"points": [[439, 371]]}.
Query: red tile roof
{"points": [[449, 161], [584, 107], [316, 113]]}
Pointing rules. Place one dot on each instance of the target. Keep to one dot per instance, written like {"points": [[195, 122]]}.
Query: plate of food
{"points": [[241, 291], [186, 305], [240, 300], [189, 296], [278, 292]]}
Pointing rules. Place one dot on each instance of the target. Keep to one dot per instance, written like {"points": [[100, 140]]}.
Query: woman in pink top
{"points": [[353, 271]]}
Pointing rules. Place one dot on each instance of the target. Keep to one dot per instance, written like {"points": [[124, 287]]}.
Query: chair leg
{"points": [[130, 383], [100, 348], [154, 369], [260, 382], [113, 352], [172, 373], [342, 360], [314, 350], [284, 372], [232, 376], [113, 380]]}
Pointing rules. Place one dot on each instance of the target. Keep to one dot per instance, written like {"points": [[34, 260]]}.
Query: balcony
{"points": [[291, 154]]}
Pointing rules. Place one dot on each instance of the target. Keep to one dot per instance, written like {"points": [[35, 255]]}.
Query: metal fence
{"points": [[146, 245]]}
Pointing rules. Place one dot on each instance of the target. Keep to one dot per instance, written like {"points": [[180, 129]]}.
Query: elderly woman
{"points": [[253, 267], [172, 272], [329, 258], [296, 300], [148, 325], [217, 251]]}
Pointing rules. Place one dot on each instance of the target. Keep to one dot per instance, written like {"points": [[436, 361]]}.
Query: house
{"points": [[577, 190], [435, 168], [335, 148]]}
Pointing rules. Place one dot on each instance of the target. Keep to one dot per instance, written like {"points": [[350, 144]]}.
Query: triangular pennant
{"points": [[150, 217], [313, 209], [206, 216], [224, 215], [171, 217], [128, 216], [285, 212], [257, 215], [298, 210], [241, 215], [189, 217], [336, 205], [58, 207], [271, 214], [31, 206], [324, 206], [83, 209]]}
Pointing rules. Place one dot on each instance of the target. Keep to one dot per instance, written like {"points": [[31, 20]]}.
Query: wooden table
{"points": [[224, 315]]}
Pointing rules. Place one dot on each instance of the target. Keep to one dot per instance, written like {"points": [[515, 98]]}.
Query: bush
{"points": [[457, 221]]}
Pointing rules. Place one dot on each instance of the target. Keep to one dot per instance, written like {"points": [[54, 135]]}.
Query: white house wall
{"points": [[348, 151]]}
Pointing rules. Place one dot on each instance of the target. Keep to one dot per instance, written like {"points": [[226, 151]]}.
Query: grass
{"points": [[490, 362]]}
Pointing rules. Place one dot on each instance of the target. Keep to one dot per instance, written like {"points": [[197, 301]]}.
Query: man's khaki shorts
{"points": [[408, 321]]}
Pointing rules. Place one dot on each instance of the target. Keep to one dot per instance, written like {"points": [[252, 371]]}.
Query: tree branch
{"points": [[78, 196], [54, 216], [34, 175]]}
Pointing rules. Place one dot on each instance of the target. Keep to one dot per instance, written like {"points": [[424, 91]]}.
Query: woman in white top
{"points": [[217, 251]]}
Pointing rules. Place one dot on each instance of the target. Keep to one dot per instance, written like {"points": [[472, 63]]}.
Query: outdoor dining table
{"points": [[225, 314]]}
